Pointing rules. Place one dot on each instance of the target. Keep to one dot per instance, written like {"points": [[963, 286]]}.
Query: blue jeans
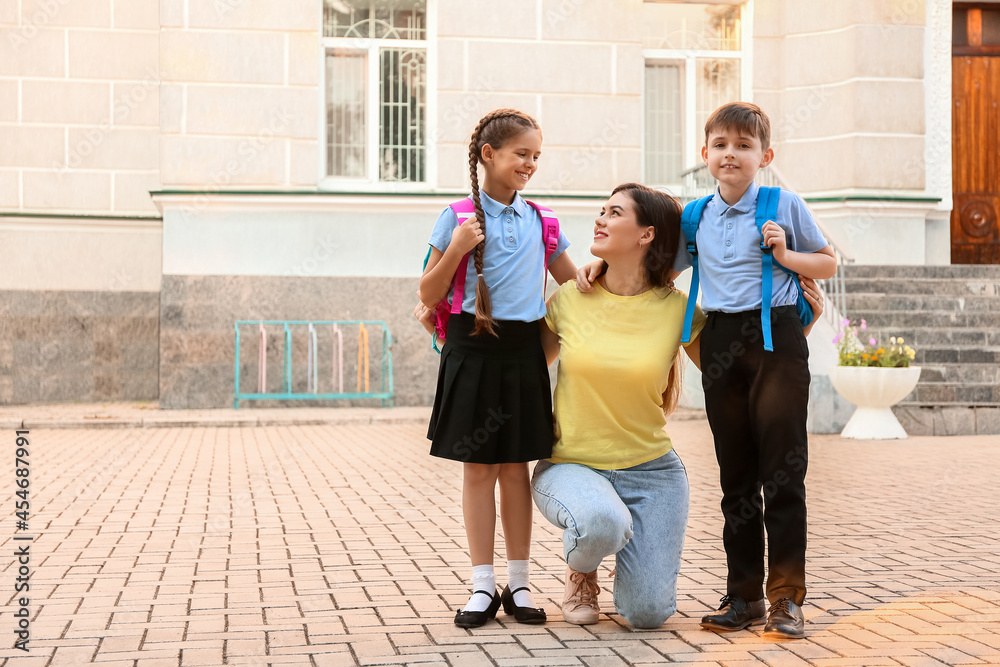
{"points": [[639, 514]]}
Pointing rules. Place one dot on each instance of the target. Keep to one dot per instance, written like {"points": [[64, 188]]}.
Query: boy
{"points": [[756, 400]]}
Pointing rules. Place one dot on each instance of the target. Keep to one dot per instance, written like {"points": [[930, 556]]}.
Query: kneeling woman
{"points": [[614, 483]]}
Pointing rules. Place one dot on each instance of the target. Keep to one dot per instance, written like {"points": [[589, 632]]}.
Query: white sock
{"points": [[517, 577], [483, 579]]}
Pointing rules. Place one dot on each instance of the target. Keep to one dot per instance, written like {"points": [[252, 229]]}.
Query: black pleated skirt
{"points": [[493, 402]]}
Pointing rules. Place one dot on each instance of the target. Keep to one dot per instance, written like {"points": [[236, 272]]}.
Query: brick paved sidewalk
{"points": [[300, 544]]}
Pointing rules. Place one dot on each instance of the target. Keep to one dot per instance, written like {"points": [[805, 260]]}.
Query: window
{"points": [[375, 71], [694, 64], [664, 127], [975, 29]]}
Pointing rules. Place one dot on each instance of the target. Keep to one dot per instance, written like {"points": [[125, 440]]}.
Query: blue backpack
{"points": [[767, 209]]}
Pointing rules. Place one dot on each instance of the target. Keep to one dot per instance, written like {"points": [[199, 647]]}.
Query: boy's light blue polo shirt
{"points": [[729, 254], [512, 261]]}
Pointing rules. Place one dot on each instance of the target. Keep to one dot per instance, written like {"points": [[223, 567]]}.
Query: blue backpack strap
{"points": [[802, 306], [690, 219], [767, 209], [806, 313]]}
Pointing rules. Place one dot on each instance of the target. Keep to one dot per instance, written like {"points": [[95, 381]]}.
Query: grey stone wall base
{"points": [[197, 338], [78, 346], [957, 420], [828, 410]]}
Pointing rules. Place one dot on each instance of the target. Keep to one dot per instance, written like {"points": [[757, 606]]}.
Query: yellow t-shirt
{"points": [[614, 357]]}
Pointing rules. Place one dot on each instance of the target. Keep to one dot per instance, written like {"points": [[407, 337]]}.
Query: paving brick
{"points": [[603, 661], [474, 658], [951, 656], [537, 662], [342, 659], [779, 657], [919, 661], [855, 662], [507, 650]]}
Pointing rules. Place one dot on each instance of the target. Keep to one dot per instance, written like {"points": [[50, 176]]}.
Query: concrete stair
{"points": [[951, 316]]}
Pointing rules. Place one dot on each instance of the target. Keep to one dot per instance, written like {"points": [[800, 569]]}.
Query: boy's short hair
{"points": [[743, 117]]}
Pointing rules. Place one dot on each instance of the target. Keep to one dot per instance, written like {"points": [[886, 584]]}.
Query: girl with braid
{"points": [[492, 407]]}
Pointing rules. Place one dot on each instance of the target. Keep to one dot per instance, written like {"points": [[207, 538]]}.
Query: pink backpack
{"points": [[464, 210]]}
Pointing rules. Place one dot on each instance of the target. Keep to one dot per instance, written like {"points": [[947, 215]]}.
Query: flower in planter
{"points": [[851, 351]]}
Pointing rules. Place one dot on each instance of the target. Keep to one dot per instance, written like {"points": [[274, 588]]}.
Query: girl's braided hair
{"points": [[495, 128]]}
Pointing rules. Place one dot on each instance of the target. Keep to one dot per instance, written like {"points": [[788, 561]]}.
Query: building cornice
{"points": [[313, 200]]}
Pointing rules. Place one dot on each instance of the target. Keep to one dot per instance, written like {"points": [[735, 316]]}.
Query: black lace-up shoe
{"points": [[785, 621], [734, 613]]}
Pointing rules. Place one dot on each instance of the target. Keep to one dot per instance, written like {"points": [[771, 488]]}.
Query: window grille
{"points": [[693, 65], [376, 89]]}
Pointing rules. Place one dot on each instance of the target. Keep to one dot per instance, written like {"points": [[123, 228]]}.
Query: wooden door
{"points": [[975, 121]]}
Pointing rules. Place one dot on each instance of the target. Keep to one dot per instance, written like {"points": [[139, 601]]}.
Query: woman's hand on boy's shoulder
{"points": [[587, 274], [814, 295]]}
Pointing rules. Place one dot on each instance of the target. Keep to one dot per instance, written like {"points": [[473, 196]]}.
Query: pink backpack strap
{"points": [[464, 209], [550, 234]]}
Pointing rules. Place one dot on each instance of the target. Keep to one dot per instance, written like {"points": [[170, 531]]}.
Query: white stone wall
{"points": [[575, 65], [323, 236], [102, 101], [92, 255], [844, 87], [240, 94], [79, 131], [78, 106], [854, 122]]}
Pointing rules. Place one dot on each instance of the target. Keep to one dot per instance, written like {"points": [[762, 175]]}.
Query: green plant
{"points": [[852, 351]]}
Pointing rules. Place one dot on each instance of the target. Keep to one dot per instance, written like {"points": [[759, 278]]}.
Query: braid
{"points": [[484, 304]]}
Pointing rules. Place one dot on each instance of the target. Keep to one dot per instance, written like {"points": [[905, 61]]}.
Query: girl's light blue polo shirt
{"points": [[729, 254], [512, 261]]}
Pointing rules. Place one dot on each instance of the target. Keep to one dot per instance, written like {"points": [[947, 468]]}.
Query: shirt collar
{"points": [[746, 203], [494, 208]]}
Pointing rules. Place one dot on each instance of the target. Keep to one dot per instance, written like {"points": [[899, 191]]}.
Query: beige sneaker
{"points": [[580, 602]]}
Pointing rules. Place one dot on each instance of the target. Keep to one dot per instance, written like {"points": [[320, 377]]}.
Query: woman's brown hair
{"points": [[495, 129], [663, 213]]}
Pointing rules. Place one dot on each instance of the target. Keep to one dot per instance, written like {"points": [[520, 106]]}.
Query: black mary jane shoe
{"points": [[475, 619], [521, 614]]}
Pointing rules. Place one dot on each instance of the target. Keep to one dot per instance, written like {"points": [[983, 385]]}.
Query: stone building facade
{"points": [[170, 167]]}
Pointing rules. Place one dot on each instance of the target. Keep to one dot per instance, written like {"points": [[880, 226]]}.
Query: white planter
{"points": [[874, 390]]}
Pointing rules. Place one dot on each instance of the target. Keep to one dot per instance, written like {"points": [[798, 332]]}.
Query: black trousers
{"points": [[756, 403]]}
